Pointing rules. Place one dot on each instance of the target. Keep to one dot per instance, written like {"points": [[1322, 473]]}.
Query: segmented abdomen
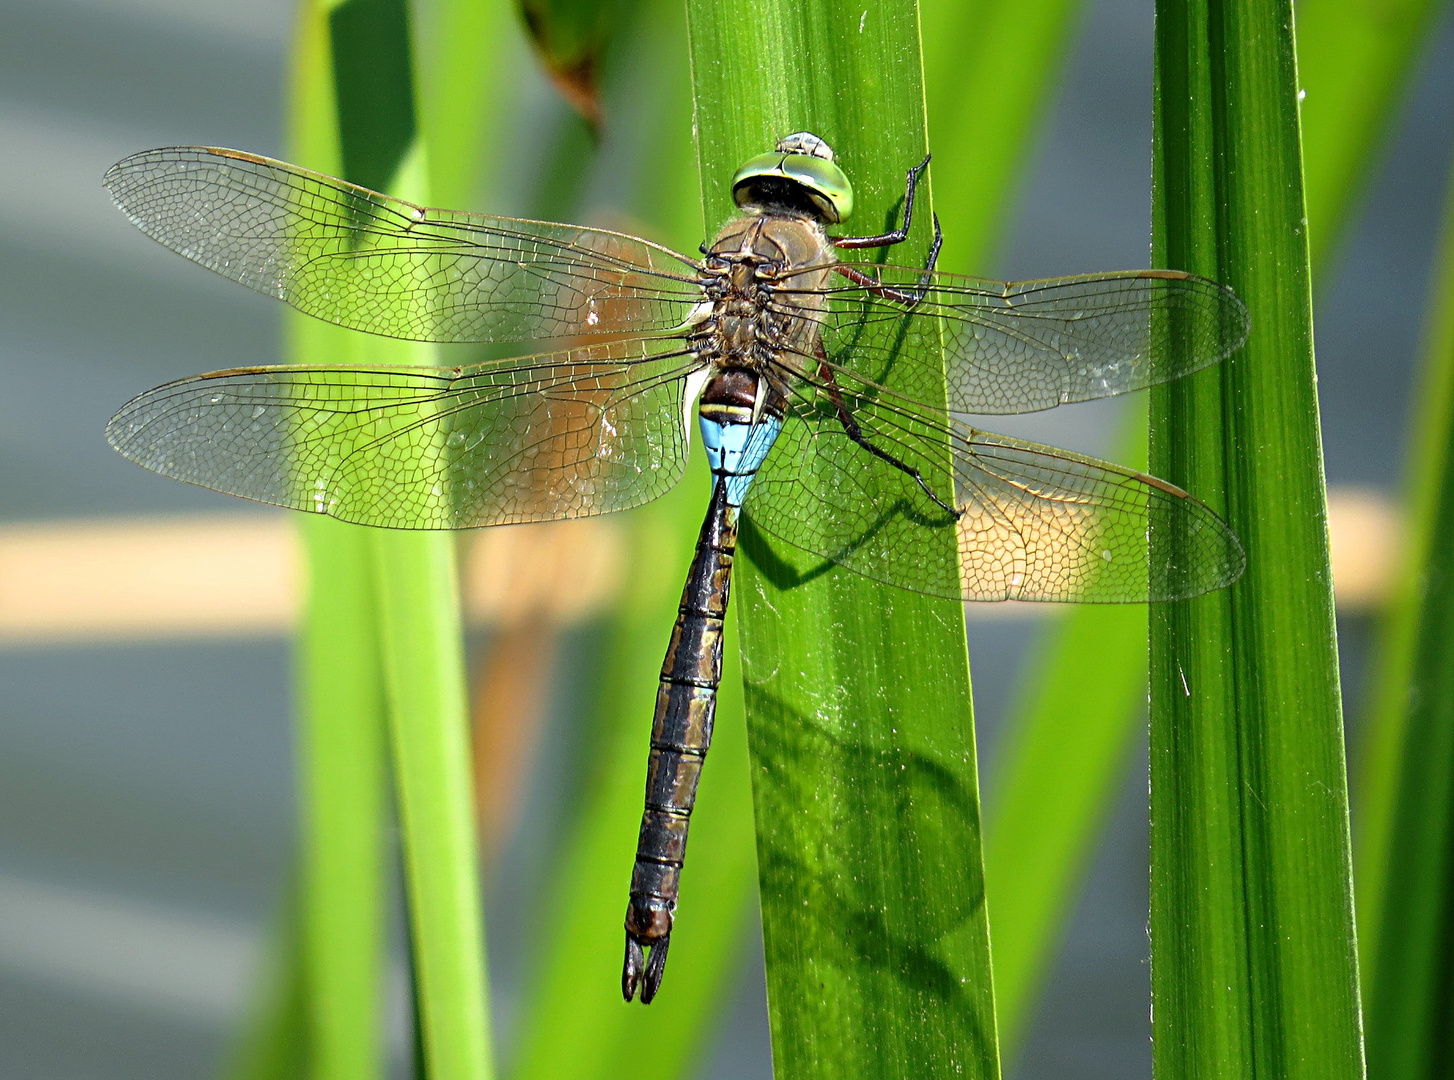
{"points": [[686, 703]]}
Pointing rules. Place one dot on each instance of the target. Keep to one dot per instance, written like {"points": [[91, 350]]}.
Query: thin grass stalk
{"points": [[857, 695], [1410, 948], [470, 68], [990, 74], [1068, 741], [574, 1024], [343, 759], [340, 692], [422, 636], [416, 611], [1254, 970], [274, 1044], [1356, 62], [1377, 768]]}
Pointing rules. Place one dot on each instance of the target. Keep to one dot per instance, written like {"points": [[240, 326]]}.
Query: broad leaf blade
{"points": [[857, 695]]}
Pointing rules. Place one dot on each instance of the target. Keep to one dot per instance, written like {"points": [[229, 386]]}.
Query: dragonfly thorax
{"points": [[764, 278]]}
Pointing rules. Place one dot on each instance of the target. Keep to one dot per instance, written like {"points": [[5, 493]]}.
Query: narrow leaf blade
{"points": [[1253, 965]]}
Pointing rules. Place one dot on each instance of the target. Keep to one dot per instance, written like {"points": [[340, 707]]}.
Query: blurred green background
{"points": [[147, 828]]}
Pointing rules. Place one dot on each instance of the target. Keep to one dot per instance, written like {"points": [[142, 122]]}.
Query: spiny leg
{"points": [[899, 235], [908, 297], [854, 432]]}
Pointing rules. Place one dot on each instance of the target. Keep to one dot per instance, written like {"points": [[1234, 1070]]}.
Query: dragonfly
{"points": [[832, 397]]}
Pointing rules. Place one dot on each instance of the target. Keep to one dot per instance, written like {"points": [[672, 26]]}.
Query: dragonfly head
{"points": [[799, 175]]}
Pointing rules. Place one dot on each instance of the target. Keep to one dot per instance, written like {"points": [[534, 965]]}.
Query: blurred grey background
{"points": [[146, 794]]}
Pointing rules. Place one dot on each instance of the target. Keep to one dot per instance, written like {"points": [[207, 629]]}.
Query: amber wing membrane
{"points": [[561, 435], [360, 259], [1031, 345], [1031, 522]]}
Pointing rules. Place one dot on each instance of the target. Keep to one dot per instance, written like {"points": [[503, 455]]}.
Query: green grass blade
{"points": [[471, 57], [420, 629], [1067, 743], [1355, 61], [1098, 655], [342, 758], [1376, 773], [1253, 964], [857, 695], [414, 611], [576, 1025], [990, 71], [340, 694], [1407, 994], [423, 652]]}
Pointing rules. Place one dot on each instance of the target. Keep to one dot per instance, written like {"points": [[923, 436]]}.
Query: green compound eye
{"points": [[802, 163]]}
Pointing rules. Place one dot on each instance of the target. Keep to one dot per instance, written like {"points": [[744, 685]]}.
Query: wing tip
{"points": [[120, 430], [121, 177], [1214, 558], [1234, 321]]}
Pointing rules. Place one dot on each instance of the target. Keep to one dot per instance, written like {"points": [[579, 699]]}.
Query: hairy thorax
{"points": [[764, 277]]}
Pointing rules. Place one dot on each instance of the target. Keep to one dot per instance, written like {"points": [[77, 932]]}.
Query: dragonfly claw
{"points": [[641, 972]]}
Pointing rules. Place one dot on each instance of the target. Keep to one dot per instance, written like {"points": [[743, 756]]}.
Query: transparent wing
{"points": [[1031, 522], [359, 259], [562, 435], [1031, 345]]}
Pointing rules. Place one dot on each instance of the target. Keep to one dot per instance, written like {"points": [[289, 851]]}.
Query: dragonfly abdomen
{"points": [[686, 703]]}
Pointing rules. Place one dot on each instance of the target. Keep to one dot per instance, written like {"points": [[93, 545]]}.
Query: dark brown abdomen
{"points": [[686, 702]]}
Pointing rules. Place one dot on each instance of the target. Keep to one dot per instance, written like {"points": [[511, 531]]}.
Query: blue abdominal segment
{"points": [[736, 451]]}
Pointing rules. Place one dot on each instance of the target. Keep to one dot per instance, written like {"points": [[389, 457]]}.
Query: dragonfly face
{"points": [[820, 381]]}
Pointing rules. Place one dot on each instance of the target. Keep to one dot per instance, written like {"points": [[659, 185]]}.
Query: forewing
{"points": [[1031, 522], [1030, 345], [363, 260], [561, 435]]}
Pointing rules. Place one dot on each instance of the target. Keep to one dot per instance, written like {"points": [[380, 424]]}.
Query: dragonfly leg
{"points": [[899, 235], [908, 297], [852, 429]]}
